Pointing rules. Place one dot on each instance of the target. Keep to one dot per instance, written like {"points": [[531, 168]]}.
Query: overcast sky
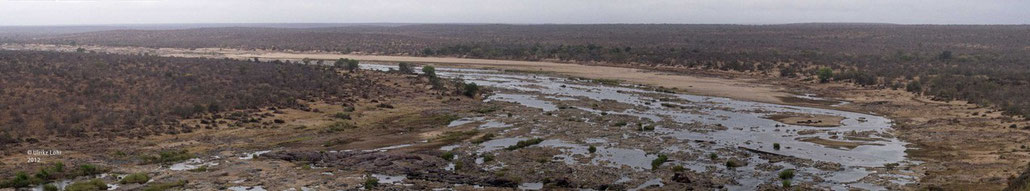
{"points": [[92, 12]]}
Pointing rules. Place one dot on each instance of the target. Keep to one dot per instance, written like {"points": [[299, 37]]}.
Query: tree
{"points": [[405, 68], [471, 90], [429, 71], [914, 87], [824, 74], [348, 64], [352, 65], [946, 55]]}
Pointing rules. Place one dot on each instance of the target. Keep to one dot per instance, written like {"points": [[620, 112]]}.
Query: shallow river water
{"points": [[746, 127]]}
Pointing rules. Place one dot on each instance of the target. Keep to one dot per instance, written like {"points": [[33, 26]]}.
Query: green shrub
{"points": [[592, 149], [470, 90], [57, 167], [340, 126], [732, 164], [824, 74], [91, 185], [344, 116], [44, 174], [370, 182], [50, 187], [347, 64], [88, 169], [658, 161], [20, 180], [713, 156], [405, 68], [678, 168], [610, 82], [199, 169], [524, 144], [168, 156], [776, 146], [787, 174], [786, 183], [484, 138], [447, 156], [429, 71], [136, 178]]}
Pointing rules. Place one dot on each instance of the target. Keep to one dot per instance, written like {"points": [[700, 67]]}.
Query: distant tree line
{"points": [[988, 65]]}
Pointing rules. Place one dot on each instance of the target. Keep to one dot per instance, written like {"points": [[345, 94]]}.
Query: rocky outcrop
{"points": [[415, 166], [1021, 183]]}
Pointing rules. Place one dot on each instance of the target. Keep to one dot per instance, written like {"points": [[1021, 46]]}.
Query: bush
{"points": [[524, 144], [429, 71], [340, 126], [91, 185], [57, 167], [447, 156], [732, 164], [6, 139], [88, 169], [168, 156], [776, 146], [484, 138], [659, 161], [20, 180], [405, 68], [824, 74], [914, 87], [347, 64], [52, 172], [592, 149], [787, 174], [343, 116], [370, 182], [137, 178], [50, 187], [785, 183], [678, 168], [470, 90]]}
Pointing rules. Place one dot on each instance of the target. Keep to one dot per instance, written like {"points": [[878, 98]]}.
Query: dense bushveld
{"points": [[982, 64], [83, 94]]}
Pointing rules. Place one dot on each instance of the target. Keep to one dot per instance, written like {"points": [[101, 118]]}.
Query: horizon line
{"points": [[488, 23]]}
